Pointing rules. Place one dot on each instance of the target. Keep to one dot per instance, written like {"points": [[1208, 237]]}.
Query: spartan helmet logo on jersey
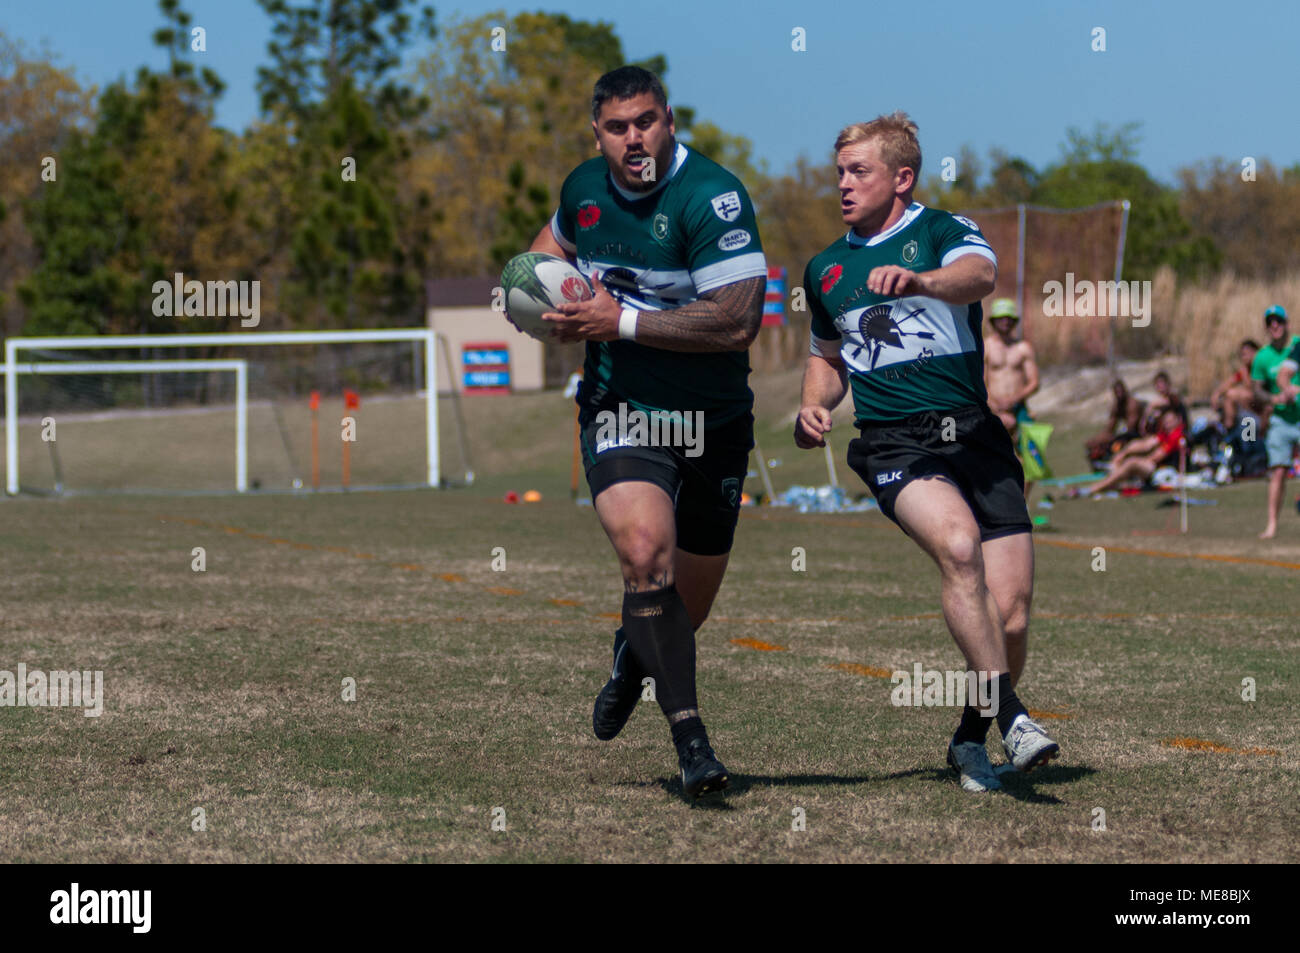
{"points": [[880, 329], [621, 283], [624, 285]]}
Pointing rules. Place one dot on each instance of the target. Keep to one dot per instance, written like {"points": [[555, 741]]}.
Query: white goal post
{"points": [[239, 367], [105, 341]]}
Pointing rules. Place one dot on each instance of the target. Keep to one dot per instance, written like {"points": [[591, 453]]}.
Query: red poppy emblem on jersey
{"points": [[588, 215], [831, 277], [575, 289]]}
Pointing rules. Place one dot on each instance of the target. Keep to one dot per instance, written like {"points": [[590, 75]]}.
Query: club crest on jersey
{"points": [[588, 214], [659, 226], [909, 252], [830, 277], [727, 206], [879, 329]]}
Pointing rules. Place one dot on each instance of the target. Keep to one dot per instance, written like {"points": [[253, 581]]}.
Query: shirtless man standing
{"points": [[1010, 370]]}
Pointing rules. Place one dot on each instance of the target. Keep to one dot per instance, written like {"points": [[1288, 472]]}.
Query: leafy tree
{"points": [[507, 127], [733, 152], [356, 257], [319, 46], [41, 108], [963, 191], [145, 194], [1096, 166], [1100, 167], [1011, 181], [1254, 221], [798, 215], [88, 240]]}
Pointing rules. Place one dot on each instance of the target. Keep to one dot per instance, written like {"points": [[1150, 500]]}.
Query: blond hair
{"points": [[896, 134]]}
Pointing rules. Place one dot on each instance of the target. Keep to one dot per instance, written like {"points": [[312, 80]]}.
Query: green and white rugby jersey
{"points": [[904, 355], [659, 250]]}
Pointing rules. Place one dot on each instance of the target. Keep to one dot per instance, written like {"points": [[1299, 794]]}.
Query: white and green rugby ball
{"points": [[534, 283]]}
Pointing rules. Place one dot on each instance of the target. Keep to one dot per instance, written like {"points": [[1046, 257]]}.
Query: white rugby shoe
{"points": [[1027, 745], [971, 762]]}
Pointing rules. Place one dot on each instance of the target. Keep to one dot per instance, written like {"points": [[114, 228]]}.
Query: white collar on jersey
{"points": [[913, 210], [679, 156]]}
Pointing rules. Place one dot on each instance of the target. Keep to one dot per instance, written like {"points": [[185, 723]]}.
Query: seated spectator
{"points": [[1124, 424], [1143, 456], [1236, 392], [1166, 397]]}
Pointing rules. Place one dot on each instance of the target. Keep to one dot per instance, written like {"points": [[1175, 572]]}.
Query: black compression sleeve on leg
{"points": [[661, 637], [625, 668]]}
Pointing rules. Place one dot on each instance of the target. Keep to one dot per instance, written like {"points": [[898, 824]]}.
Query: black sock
{"points": [[662, 640], [625, 668], [974, 727], [1009, 706], [687, 730]]}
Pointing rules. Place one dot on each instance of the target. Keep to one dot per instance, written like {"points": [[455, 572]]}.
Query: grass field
{"points": [[223, 689]]}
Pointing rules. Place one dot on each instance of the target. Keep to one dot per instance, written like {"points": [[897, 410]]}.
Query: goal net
{"points": [[245, 412], [1036, 245]]}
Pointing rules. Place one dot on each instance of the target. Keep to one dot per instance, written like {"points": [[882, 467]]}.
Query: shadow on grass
{"points": [[1019, 786], [1014, 785], [742, 783]]}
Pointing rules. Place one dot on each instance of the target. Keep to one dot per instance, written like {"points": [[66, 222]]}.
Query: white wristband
{"points": [[627, 324]]}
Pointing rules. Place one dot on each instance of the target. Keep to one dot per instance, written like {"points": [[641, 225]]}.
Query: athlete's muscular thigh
{"points": [[935, 514], [638, 518]]}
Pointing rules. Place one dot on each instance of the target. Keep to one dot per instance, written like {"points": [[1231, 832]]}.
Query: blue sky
{"points": [[1205, 79]]}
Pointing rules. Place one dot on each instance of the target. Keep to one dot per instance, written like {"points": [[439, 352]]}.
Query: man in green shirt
{"points": [[896, 317], [1284, 423], [670, 243]]}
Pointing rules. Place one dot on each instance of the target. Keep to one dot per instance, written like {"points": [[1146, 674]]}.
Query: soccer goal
{"points": [[244, 411], [49, 424]]}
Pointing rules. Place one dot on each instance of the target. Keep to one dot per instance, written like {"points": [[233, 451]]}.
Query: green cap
{"points": [[1003, 308], [1275, 311]]}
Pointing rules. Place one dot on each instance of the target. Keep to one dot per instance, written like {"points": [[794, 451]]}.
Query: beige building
{"points": [[460, 311]]}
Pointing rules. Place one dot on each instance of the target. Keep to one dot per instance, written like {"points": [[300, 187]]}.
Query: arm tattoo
{"points": [[724, 319]]}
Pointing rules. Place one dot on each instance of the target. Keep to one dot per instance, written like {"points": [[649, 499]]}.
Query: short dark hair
{"points": [[625, 83], [1161, 375], [1249, 342]]}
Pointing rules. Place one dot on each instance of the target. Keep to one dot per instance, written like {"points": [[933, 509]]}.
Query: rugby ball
{"points": [[534, 283]]}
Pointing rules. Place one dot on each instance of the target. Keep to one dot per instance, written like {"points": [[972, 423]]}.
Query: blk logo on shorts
{"points": [[891, 476]]}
